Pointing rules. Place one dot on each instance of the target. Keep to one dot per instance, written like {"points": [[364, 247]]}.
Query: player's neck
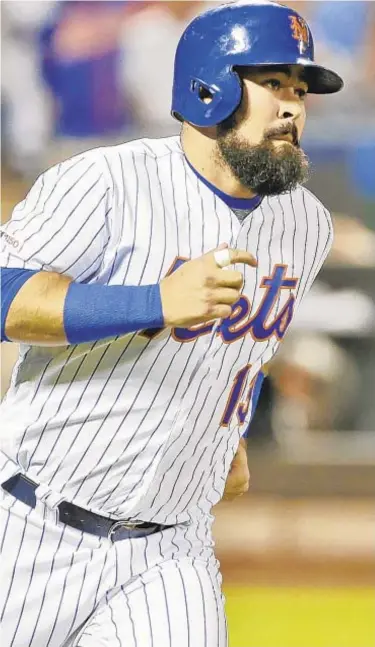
{"points": [[201, 153]]}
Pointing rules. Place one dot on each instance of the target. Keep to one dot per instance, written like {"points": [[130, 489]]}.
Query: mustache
{"points": [[289, 129]]}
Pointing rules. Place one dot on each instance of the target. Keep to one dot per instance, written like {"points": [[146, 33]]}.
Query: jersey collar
{"points": [[247, 204]]}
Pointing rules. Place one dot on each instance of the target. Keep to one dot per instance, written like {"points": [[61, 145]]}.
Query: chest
{"points": [[166, 222]]}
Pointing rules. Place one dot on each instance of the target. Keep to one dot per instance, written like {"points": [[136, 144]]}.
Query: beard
{"points": [[263, 168]]}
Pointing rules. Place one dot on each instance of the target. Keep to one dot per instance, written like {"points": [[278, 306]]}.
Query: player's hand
{"points": [[201, 291], [238, 479]]}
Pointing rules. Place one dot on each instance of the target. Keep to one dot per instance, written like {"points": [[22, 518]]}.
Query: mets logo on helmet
{"points": [[300, 32]]}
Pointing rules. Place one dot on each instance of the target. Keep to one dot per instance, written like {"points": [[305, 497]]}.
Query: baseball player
{"points": [[149, 284]]}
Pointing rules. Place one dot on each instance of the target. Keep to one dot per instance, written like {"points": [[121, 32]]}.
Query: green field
{"points": [[300, 617]]}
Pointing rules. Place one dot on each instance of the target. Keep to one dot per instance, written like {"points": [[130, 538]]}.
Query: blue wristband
{"points": [[93, 312]]}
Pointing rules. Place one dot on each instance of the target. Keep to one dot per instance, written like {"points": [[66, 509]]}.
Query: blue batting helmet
{"points": [[239, 34]]}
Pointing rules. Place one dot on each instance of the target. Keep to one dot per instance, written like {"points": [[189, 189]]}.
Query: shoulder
{"points": [[120, 162], [130, 152], [303, 207], [313, 205]]}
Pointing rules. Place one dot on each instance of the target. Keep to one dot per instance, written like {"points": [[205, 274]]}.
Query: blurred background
{"points": [[298, 552]]}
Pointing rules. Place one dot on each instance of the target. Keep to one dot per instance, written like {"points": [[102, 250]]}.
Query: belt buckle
{"points": [[128, 525]]}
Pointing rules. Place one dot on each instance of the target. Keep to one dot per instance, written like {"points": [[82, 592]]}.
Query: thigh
{"points": [[176, 604], [49, 577]]}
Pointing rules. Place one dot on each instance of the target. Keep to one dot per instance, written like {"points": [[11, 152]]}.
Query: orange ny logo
{"points": [[300, 31]]}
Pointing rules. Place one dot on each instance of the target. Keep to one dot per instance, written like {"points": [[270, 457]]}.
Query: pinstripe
{"points": [[54, 186], [130, 615], [145, 549], [6, 599], [131, 557], [173, 196], [165, 224], [220, 612], [29, 584], [5, 531], [105, 350], [170, 448], [186, 606], [79, 595], [86, 269], [47, 583], [307, 280], [187, 203], [58, 408], [196, 447], [79, 231], [161, 448], [151, 221], [104, 420], [306, 239], [148, 613], [166, 606], [63, 590], [35, 253], [152, 401], [113, 621], [123, 219], [136, 191], [202, 212], [294, 232], [24, 202], [50, 216], [203, 602]]}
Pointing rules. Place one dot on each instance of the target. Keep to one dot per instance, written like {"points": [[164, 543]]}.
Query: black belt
{"points": [[23, 489]]}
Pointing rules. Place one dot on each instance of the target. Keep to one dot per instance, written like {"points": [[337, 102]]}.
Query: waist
{"points": [[25, 490]]}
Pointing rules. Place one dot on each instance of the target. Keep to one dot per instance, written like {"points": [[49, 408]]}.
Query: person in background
{"points": [[26, 131], [82, 54], [150, 38]]}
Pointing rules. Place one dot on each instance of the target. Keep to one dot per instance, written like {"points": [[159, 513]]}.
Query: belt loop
{"points": [[49, 499]]}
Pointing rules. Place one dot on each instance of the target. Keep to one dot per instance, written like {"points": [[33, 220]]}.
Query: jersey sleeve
{"points": [[62, 225]]}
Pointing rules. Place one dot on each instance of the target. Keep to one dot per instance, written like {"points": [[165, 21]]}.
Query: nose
{"points": [[289, 109]]}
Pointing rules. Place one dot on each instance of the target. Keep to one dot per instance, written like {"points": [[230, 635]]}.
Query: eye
{"points": [[273, 84], [301, 92]]}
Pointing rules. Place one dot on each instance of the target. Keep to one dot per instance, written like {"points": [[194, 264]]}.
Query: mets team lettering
{"points": [[239, 323]]}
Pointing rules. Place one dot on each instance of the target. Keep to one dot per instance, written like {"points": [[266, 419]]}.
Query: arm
{"points": [[51, 309], [64, 227], [47, 308]]}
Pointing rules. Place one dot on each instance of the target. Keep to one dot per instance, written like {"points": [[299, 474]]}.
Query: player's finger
{"points": [[226, 295], [229, 278], [221, 311], [224, 256], [242, 256]]}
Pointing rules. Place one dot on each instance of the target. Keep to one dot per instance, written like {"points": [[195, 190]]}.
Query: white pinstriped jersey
{"points": [[146, 425]]}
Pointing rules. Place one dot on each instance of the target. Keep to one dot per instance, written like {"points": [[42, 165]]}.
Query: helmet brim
{"points": [[321, 80]]}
